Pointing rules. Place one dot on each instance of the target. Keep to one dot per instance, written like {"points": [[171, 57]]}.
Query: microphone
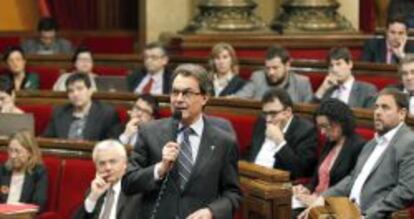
{"points": [[176, 118]]}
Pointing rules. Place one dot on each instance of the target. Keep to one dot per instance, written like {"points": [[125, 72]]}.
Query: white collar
{"points": [[389, 135], [197, 126], [287, 125], [348, 84]]}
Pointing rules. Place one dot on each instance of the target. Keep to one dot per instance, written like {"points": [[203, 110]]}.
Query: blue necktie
{"points": [[185, 158]]}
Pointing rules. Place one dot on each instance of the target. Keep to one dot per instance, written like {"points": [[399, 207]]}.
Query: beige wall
{"points": [[18, 15], [350, 9]]}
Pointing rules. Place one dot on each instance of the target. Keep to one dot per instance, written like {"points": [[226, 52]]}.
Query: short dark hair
{"points": [[280, 94], [47, 24], [401, 98], [397, 18], [338, 53], [197, 72], [276, 51], [152, 102], [9, 50], [79, 50], [6, 85], [77, 76], [157, 45], [338, 112]]}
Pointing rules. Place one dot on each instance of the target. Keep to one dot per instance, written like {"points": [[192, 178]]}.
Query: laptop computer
{"points": [[111, 83], [11, 123]]}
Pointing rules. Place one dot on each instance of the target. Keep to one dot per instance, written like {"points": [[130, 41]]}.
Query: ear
{"points": [[205, 99]]}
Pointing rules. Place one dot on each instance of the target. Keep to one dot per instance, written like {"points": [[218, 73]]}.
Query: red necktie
{"points": [[147, 88], [324, 171]]}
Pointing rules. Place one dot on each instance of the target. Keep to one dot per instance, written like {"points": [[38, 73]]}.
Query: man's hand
{"points": [[300, 190], [132, 127], [98, 186], [170, 153], [399, 50], [274, 133], [203, 213], [330, 81]]}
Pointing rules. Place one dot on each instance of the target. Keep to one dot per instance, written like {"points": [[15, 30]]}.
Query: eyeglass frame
{"points": [[186, 93]]}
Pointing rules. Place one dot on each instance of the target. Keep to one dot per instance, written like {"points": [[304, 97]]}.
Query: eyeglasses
{"points": [[272, 113], [138, 109], [153, 57], [187, 93]]}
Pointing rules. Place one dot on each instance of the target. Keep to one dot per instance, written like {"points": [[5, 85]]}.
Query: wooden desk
{"points": [[27, 215]]}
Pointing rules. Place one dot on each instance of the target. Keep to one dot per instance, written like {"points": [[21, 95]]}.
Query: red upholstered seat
{"points": [[6, 41], [380, 81], [110, 70], [76, 178], [122, 113], [110, 44], [42, 115], [3, 157], [366, 133], [53, 166], [47, 75]]}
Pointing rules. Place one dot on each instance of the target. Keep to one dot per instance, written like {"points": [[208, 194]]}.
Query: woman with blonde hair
{"points": [[23, 178], [225, 69]]}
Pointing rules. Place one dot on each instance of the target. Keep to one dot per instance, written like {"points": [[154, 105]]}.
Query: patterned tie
{"points": [[147, 88], [110, 196], [185, 158]]}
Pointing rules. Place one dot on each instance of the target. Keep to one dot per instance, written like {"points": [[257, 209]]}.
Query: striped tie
{"points": [[185, 158]]}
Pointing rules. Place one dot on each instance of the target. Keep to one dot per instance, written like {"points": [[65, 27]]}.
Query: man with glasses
{"points": [[155, 77], [145, 109], [282, 140], [185, 168]]}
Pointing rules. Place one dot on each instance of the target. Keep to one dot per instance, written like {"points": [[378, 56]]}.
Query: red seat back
{"points": [[366, 133], [47, 75], [53, 166], [41, 114]]}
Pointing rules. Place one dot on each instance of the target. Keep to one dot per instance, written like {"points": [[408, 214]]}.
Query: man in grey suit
{"points": [[342, 85], [186, 168], [383, 178], [277, 74]]}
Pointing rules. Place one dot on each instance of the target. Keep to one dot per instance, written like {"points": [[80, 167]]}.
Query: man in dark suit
{"points": [[155, 77], [406, 71], [393, 47], [382, 179], [342, 85], [105, 200], [282, 140], [186, 168], [82, 118]]}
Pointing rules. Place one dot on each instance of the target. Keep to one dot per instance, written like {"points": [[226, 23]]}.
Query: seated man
{"points": [[47, 43], [382, 179], [7, 95], [406, 71], [282, 140], [277, 74], [393, 47], [342, 85], [155, 78], [105, 198], [82, 118]]}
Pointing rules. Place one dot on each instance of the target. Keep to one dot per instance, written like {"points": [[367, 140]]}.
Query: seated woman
{"points": [[336, 121], [224, 67], [7, 97], [82, 61], [16, 65], [23, 178]]}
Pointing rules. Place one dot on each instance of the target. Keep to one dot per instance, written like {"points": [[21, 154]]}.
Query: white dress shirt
{"points": [[382, 144], [16, 187], [131, 140], [344, 91], [157, 84], [90, 204], [266, 155], [411, 102]]}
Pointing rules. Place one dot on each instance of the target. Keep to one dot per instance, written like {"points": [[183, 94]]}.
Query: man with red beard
{"points": [[383, 178], [277, 74]]}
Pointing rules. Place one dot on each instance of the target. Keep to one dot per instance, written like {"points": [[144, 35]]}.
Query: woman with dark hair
{"points": [[336, 122], [16, 64], [7, 96], [23, 178], [83, 63], [225, 69]]}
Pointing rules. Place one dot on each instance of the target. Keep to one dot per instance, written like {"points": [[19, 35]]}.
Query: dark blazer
{"points": [[126, 208], [235, 84], [135, 78], [343, 164], [101, 119], [34, 186], [298, 155], [214, 182], [362, 95], [375, 50], [30, 81]]}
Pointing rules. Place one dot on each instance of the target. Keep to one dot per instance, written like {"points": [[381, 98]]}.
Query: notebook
{"points": [[10, 123], [111, 83]]}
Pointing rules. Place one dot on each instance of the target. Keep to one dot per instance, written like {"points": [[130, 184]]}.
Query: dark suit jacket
{"points": [[34, 186], [235, 84], [298, 155], [214, 182], [126, 208], [101, 119], [362, 95], [135, 78], [343, 164], [30, 82], [375, 50]]}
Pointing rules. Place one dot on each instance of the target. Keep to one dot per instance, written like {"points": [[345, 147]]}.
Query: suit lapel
{"points": [[363, 157], [382, 53], [345, 150], [120, 205], [92, 117], [353, 96]]}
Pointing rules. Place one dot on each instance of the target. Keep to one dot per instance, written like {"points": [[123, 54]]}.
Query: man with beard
{"points": [[382, 179], [341, 84], [277, 74]]}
